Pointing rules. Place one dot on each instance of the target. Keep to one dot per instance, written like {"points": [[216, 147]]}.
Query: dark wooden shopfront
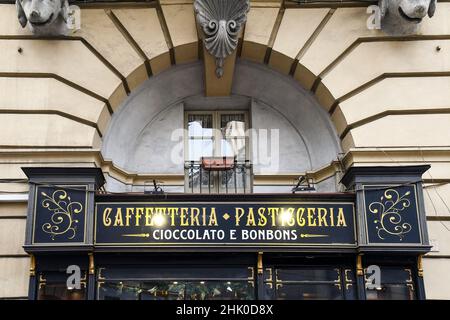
{"points": [[121, 258]]}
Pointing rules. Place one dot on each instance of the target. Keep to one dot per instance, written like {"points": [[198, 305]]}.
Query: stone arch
{"points": [[136, 140]]}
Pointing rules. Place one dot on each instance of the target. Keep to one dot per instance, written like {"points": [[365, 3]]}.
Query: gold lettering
{"points": [[172, 212], [183, 219], [213, 218], [128, 214], [239, 214], [106, 219], [149, 217], [341, 219], [204, 215], [273, 212], [290, 213], [258, 216], [300, 220], [138, 215], [118, 221], [262, 220], [251, 218], [195, 212], [311, 218], [322, 213], [331, 217]]}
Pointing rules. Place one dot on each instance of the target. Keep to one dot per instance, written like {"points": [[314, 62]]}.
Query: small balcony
{"points": [[219, 175]]}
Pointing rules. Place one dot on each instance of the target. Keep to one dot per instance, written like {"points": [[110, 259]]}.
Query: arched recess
{"points": [[144, 134]]}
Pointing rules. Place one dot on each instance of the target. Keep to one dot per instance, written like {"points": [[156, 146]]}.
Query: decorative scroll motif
{"points": [[402, 17], [63, 211], [389, 209], [221, 21]]}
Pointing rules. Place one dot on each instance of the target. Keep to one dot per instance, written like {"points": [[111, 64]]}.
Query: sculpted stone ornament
{"points": [[44, 17], [221, 21], [402, 17]]}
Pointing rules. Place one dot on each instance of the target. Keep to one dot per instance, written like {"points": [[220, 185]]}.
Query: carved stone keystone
{"points": [[221, 22]]}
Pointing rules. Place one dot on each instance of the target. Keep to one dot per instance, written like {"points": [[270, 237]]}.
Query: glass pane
{"points": [[236, 180], [309, 292], [163, 290], [308, 274], [392, 292], [200, 125], [350, 291], [176, 290], [59, 291], [200, 148], [199, 176], [172, 270], [228, 180], [52, 285], [234, 147], [233, 139], [395, 275], [219, 290], [127, 290], [232, 125]]}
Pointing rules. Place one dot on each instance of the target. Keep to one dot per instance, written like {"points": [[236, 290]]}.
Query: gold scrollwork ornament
{"points": [[63, 211], [389, 210]]}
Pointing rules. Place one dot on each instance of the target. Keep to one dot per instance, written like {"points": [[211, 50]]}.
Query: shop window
{"points": [[310, 283], [52, 285], [172, 283], [217, 155], [396, 284], [176, 290]]}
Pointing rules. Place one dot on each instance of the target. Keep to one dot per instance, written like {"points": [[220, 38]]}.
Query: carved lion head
{"points": [[42, 15], [403, 16]]}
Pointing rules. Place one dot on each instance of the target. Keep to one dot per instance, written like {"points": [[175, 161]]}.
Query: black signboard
{"points": [[60, 214], [224, 224], [392, 214]]}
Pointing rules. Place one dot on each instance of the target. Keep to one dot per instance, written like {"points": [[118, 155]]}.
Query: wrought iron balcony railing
{"points": [[234, 178]]}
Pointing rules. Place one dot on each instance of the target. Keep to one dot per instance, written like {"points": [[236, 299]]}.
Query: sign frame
{"points": [[228, 244], [367, 187]]}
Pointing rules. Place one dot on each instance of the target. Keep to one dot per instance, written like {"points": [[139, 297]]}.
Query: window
{"points": [[176, 290], [396, 284], [310, 283], [52, 285], [175, 283], [222, 136]]}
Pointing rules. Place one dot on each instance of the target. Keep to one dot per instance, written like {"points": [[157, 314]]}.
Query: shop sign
{"points": [[221, 224]]}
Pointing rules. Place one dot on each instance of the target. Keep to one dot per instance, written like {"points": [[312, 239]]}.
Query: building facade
{"points": [[266, 150]]}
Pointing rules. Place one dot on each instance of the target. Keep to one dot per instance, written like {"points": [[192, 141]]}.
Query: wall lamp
{"points": [[304, 184], [156, 188]]}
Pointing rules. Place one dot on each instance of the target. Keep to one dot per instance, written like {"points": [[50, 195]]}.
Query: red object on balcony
{"points": [[217, 163]]}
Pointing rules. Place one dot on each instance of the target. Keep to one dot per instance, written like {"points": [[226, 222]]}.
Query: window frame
{"points": [[217, 135], [409, 283], [345, 282]]}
